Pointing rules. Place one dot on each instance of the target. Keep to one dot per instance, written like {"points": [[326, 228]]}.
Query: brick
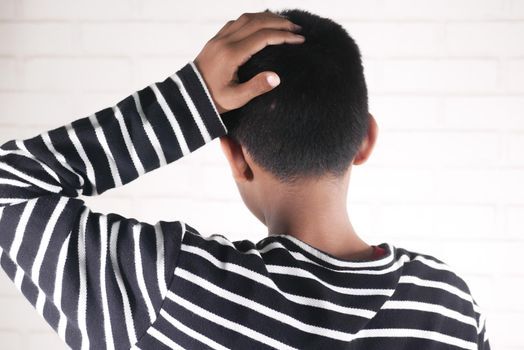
{"points": [[174, 180], [392, 184], [200, 10], [212, 155], [397, 39], [146, 38], [467, 186], [10, 74], [477, 252], [363, 219], [504, 298], [400, 10], [20, 133], [7, 288], [7, 9], [11, 339], [87, 103], [104, 10], [37, 109], [404, 185], [37, 38], [513, 76], [213, 182], [337, 10], [427, 148], [510, 186], [44, 340], [405, 221], [447, 9], [149, 70], [484, 113], [439, 76], [480, 286], [516, 9], [108, 203], [58, 74], [444, 221], [185, 182], [48, 9], [230, 218], [64, 9], [405, 112], [486, 39], [515, 221], [515, 146], [470, 256], [373, 75], [504, 330], [20, 314]]}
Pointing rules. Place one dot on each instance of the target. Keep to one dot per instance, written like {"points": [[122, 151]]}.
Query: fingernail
{"points": [[273, 80], [300, 37], [297, 27]]}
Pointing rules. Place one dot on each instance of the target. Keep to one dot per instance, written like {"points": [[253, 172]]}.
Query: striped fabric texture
{"points": [[109, 282]]}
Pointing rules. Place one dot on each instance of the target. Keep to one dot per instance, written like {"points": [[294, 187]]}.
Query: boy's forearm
{"points": [[150, 128]]}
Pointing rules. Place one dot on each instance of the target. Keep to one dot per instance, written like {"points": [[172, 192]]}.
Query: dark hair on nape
{"points": [[314, 122]]}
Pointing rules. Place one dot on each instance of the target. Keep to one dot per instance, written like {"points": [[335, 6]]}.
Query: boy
{"points": [[104, 281]]}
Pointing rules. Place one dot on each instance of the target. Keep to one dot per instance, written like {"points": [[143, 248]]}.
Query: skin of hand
{"points": [[232, 46]]}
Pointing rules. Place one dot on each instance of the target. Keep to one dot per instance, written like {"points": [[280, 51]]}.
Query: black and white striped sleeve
{"points": [[99, 280], [482, 340]]}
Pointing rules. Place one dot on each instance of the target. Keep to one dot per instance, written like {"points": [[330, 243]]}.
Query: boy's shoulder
{"points": [[434, 281], [411, 267], [411, 286], [428, 268]]}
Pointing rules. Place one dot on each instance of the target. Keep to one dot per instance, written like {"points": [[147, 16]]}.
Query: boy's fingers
{"points": [[262, 22], [232, 46], [258, 85], [244, 49], [234, 25]]}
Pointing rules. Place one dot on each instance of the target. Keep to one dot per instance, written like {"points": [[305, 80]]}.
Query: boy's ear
{"points": [[368, 143], [235, 155]]}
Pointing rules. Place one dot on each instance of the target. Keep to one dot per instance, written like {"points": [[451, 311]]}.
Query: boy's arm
{"points": [[482, 341], [92, 275], [99, 280]]}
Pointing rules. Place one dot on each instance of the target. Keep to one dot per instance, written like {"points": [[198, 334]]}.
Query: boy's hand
{"points": [[232, 46]]}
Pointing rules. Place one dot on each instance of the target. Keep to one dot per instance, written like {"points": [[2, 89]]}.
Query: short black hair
{"points": [[313, 123]]}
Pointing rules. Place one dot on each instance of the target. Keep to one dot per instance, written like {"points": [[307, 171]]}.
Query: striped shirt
{"points": [[105, 281]]}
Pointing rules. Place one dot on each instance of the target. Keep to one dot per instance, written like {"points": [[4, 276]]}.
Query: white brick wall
{"points": [[446, 83]]}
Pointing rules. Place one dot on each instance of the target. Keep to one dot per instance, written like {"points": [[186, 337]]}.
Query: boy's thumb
{"points": [[272, 79], [258, 85]]}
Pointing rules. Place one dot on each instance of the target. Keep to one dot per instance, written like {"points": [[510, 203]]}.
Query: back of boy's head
{"points": [[313, 123]]}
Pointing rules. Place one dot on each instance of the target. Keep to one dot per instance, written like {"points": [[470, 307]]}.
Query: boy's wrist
{"points": [[200, 101]]}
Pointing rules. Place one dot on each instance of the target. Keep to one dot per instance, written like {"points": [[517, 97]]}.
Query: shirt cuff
{"points": [[201, 97]]}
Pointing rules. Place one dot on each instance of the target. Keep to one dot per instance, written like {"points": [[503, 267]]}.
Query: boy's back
{"points": [[288, 295]]}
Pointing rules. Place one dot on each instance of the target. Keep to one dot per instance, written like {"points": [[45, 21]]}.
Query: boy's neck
{"points": [[317, 215], [329, 238]]}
